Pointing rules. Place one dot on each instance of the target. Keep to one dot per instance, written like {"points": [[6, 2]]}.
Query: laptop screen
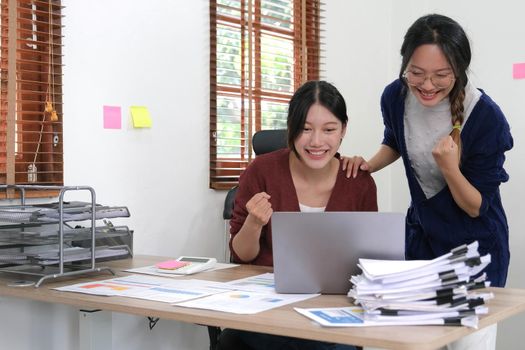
{"points": [[318, 252]]}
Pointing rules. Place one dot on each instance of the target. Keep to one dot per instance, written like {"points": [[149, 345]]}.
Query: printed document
{"points": [[354, 317], [245, 302], [147, 287]]}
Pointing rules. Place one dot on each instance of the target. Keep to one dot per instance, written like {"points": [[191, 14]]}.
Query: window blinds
{"points": [[31, 92], [261, 51]]}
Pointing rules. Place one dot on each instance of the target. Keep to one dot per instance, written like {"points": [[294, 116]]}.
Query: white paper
{"points": [[154, 271], [177, 291], [353, 317], [245, 302], [378, 269], [260, 283], [149, 288], [335, 317], [115, 286]]}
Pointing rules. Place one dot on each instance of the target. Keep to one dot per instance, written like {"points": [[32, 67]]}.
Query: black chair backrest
{"points": [[227, 212], [263, 141]]}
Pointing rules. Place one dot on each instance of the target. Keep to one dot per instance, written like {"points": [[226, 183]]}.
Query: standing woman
{"points": [[452, 138]]}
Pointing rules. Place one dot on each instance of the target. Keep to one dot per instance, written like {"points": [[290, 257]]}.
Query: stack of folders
{"points": [[442, 291]]}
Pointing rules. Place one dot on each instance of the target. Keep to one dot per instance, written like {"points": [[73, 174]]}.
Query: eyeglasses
{"points": [[439, 80]]}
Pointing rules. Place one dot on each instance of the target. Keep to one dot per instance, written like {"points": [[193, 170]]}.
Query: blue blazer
{"points": [[437, 224]]}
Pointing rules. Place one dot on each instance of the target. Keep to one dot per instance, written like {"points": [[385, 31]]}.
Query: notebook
{"points": [[318, 252]]}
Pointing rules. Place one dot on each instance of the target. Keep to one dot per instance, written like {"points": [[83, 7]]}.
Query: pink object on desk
{"points": [[171, 264]]}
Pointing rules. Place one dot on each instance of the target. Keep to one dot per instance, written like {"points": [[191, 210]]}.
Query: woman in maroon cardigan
{"points": [[305, 177]]}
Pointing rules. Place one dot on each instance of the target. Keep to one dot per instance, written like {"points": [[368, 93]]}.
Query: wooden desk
{"points": [[280, 321]]}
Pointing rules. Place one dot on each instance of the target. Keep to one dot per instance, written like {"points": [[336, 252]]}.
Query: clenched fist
{"points": [[260, 208]]}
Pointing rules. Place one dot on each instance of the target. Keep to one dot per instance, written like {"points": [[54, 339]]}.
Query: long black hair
{"points": [[310, 93]]}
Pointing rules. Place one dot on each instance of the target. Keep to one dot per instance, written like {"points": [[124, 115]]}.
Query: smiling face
{"points": [[429, 61], [319, 141]]}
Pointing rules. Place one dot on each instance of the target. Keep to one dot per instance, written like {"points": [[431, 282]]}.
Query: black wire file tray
{"points": [[53, 240]]}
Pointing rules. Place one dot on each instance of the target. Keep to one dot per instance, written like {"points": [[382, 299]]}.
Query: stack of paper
{"points": [[439, 291]]}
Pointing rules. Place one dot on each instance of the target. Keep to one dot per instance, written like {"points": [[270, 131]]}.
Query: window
{"points": [[261, 51], [31, 93]]}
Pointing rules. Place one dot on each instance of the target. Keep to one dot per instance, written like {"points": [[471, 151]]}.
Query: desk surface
{"points": [[281, 321]]}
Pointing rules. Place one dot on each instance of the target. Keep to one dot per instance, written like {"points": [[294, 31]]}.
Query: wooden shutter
{"points": [[261, 51], [31, 149]]}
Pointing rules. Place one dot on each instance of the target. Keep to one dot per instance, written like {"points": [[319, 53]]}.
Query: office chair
{"points": [[263, 141]]}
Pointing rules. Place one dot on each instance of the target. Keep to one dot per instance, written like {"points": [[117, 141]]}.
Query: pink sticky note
{"points": [[518, 71], [171, 264], [112, 117]]}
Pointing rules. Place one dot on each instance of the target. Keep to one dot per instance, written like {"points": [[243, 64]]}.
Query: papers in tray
{"points": [[78, 212], [418, 292], [71, 254], [51, 257]]}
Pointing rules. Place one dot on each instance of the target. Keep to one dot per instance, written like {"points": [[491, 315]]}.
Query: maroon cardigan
{"points": [[270, 173]]}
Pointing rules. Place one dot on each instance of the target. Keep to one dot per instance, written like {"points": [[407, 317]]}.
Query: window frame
{"points": [[306, 38], [31, 113]]}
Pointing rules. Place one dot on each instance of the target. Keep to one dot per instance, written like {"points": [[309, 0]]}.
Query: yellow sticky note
{"points": [[140, 116]]}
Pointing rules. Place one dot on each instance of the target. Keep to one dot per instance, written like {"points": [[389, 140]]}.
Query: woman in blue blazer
{"points": [[452, 138]]}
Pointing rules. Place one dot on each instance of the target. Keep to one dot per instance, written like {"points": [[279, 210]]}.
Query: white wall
{"points": [[135, 53], [357, 54], [139, 53]]}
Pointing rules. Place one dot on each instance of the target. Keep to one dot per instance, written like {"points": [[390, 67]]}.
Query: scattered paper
{"points": [[335, 316], [245, 296], [116, 286], [245, 302], [354, 317], [261, 283], [148, 287]]}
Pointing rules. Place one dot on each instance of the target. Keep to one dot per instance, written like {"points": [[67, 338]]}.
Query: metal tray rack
{"points": [[23, 227]]}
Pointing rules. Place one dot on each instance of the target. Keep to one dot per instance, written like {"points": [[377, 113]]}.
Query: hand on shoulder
{"points": [[353, 164]]}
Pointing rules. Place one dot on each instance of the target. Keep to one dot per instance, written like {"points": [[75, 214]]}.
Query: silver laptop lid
{"points": [[318, 252]]}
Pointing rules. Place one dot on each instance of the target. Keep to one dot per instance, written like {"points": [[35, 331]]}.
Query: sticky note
{"points": [[518, 71], [112, 117], [140, 116], [171, 264]]}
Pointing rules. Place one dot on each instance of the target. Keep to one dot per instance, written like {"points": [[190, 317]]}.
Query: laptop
{"points": [[319, 252]]}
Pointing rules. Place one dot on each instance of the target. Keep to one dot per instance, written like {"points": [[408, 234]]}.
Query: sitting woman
{"points": [[304, 177]]}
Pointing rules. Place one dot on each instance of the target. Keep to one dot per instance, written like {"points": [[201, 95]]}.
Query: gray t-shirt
{"points": [[424, 127]]}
